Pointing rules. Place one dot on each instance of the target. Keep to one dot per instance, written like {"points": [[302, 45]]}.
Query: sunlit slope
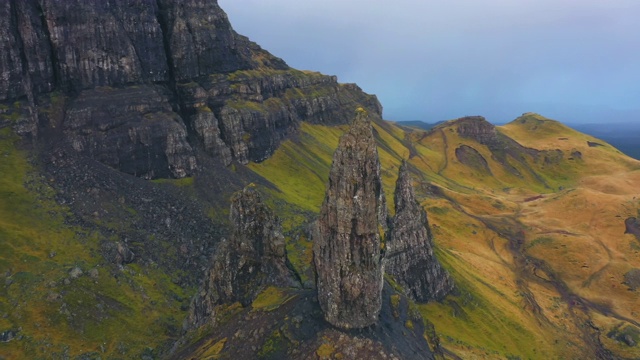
{"points": [[599, 158], [530, 225]]}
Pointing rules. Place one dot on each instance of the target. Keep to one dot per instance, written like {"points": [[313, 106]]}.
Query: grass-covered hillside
{"points": [[529, 219], [534, 236], [68, 287]]}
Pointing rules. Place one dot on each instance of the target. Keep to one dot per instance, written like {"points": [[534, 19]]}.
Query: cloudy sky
{"points": [[572, 60]]}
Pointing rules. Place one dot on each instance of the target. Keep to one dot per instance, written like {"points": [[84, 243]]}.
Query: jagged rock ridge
{"points": [[347, 243], [253, 257], [141, 85], [410, 258]]}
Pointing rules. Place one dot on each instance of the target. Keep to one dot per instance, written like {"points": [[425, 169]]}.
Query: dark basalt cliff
{"points": [[143, 85], [253, 257], [347, 250], [410, 259]]}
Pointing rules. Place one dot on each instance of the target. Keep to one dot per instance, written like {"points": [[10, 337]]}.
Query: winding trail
{"points": [[526, 266], [445, 143], [600, 271]]}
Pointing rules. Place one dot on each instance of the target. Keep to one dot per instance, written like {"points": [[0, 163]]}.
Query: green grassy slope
{"points": [[501, 310], [106, 311]]}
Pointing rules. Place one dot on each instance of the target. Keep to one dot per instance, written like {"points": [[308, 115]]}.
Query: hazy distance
{"points": [[574, 61]]}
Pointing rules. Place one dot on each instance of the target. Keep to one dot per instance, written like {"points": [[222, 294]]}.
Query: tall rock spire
{"points": [[253, 257], [410, 259], [347, 249]]}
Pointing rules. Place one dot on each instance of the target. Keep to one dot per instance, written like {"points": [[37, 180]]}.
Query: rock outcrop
{"points": [[505, 150], [253, 257], [632, 279], [485, 133], [410, 258], [347, 250], [632, 226], [477, 128], [144, 84], [201, 41]]}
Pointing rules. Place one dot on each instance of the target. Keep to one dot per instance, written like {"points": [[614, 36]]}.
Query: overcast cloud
{"points": [[573, 60]]}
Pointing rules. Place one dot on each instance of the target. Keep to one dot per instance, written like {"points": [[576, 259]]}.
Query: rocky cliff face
{"points": [[26, 65], [146, 83], [347, 249], [132, 130], [201, 41], [410, 259], [253, 257], [479, 129], [244, 115]]}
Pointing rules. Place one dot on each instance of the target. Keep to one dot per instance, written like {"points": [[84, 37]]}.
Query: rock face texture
{"points": [[410, 259], [632, 226], [141, 85], [141, 135], [26, 65], [253, 257], [632, 279], [347, 250], [202, 42]]}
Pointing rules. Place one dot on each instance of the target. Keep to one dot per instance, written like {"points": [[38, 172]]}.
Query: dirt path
{"points": [[579, 308], [445, 143], [526, 269]]}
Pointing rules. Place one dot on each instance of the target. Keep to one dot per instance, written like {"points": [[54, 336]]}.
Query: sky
{"points": [[577, 61]]}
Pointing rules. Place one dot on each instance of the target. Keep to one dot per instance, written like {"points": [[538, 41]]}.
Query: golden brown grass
{"points": [[575, 225]]}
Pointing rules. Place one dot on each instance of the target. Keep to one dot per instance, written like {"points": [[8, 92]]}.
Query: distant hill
{"points": [[523, 216], [623, 136], [418, 124]]}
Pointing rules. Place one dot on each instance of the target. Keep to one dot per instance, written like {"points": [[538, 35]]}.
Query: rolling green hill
{"points": [[534, 238]]}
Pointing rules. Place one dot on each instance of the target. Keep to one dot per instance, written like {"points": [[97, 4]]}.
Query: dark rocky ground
{"points": [[160, 223], [297, 330]]}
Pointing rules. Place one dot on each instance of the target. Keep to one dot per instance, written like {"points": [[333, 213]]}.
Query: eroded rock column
{"points": [[347, 248], [410, 258], [254, 256]]}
